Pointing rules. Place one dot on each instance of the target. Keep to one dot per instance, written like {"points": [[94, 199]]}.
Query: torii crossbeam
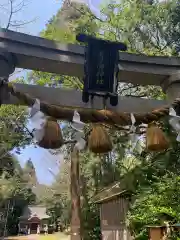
{"points": [[30, 52]]}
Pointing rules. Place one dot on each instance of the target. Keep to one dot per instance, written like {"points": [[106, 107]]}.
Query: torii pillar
{"points": [[7, 67], [7, 64], [171, 87]]}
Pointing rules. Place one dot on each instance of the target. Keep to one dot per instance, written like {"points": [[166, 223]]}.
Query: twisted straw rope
{"points": [[94, 116]]}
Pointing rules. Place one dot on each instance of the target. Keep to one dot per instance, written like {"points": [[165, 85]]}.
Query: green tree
{"points": [[155, 204], [30, 173], [58, 203], [14, 192], [14, 196]]}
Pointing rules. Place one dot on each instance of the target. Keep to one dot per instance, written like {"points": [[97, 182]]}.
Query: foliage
{"points": [[155, 204], [14, 191], [58, 203], [14, 196], [29, 174], [12, 126]]}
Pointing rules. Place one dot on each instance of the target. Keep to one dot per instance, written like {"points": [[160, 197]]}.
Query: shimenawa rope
{"points": [[91, 115]]}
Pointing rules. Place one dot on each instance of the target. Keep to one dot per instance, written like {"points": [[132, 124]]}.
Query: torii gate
{"points": [[30, 52]]}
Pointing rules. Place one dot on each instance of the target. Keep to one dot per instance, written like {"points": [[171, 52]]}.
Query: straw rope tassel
{"points": [[99, 141], [156, 139], [53, 138]]}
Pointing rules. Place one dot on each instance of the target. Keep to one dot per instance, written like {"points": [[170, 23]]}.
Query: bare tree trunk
{"points": [[75, 196]]}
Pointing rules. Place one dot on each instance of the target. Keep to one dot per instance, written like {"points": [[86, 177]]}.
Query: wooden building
{"points": [[114, 205], [33, 217]]}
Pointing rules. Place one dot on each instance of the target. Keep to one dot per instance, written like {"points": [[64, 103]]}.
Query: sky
{"points": [[37, 13]]}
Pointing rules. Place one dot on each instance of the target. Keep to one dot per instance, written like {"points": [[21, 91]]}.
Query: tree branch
{"points": [[12, 8], [10, 15]]}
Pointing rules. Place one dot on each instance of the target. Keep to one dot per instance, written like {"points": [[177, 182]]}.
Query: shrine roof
{"points": [[111, 192], [34, 211]]}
